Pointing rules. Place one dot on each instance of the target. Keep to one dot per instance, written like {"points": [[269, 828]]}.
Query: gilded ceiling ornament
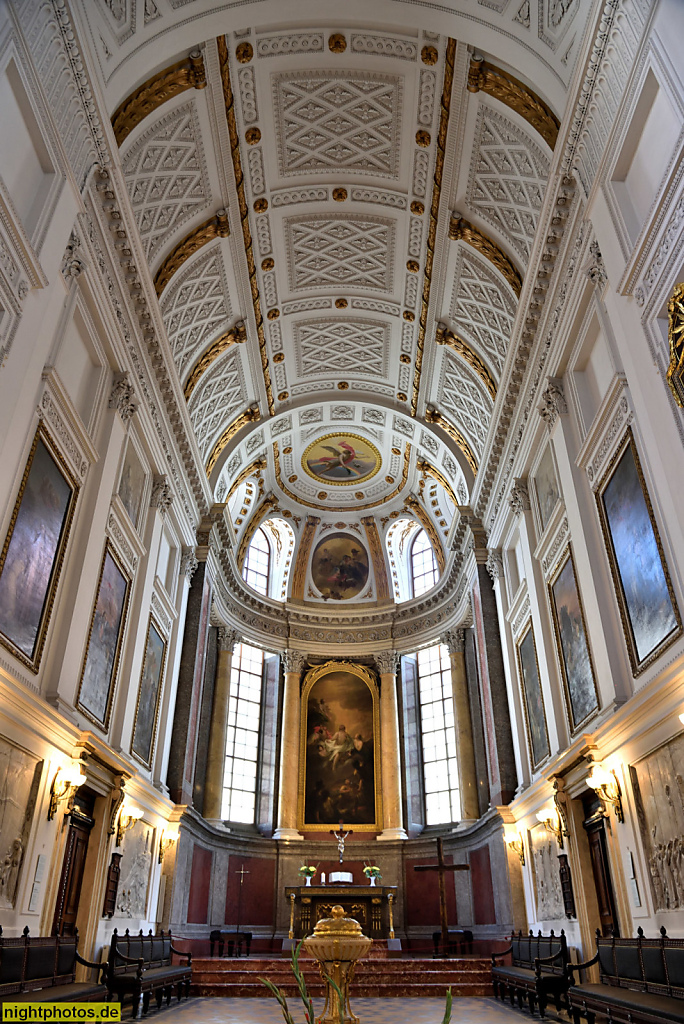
{"points": [[250, 415], [235, 336], [339, 194], [417, 207], [409, 315], [341, 303], [429, 55], [268, 263], [401, 397], [415, 505], [260, 205], [215, 227], [260, 513], [403, 358], [283, 396], [337, 43], [413, 266], [343, 386], [444, 336], [244, 53], [496, 82], [423, 138], [253, 135], [302, 559], [424, 466], [359, 495], [461, 230], [279, 357], [273, 314], [675, 334], [432, 415], [257, 467], [167, 83]]}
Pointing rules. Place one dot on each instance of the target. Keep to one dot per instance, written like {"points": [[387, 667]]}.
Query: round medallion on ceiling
{"points": [[341, 459], [339, 567]]}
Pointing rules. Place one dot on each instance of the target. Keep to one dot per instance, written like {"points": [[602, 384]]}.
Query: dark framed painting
{"points": [[103, 650], [533, 698], [339, 566], [149, 693], [132, 483], [338, 775], [33, 552], [577, 668], [546, 488], [648, 609], [341, 459]]}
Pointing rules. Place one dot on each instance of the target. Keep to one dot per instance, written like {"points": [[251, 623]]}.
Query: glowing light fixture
{"points": [[67, 780], [607, 787], [549, 818], [515, 842], [166, 842], [127, 819]]}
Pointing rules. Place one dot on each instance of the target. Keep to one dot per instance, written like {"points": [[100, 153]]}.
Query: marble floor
{"points": [[369, 1011]]}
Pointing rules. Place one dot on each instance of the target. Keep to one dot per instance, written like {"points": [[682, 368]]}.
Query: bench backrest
{"points": [[525, 949], [155, 950], [647, 965], [28, 963]]}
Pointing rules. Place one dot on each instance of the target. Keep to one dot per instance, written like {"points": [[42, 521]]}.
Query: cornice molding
{"points": [[432, 415], [216, 227], [235, 336], [250, 415], [461, 230], [486, 77], [167, 83], [444, 336]]}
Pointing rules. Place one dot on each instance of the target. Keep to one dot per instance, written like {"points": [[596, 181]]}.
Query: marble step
{"points": [[371, 990]]}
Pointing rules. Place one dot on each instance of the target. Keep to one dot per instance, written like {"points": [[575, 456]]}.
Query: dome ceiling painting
{"points": [[337, 219]]}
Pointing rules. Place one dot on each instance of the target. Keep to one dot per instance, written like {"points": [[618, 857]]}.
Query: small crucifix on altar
{"points": [[442, 867], [340, 837]]}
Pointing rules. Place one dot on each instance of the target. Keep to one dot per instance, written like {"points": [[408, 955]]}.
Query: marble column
{"points": [[390, 771], [465, 749], [293, 663], [213, 785]]}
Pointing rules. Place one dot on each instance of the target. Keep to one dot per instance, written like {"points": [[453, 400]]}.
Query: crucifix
{"points": [[442, 866], [242, 874], [340, 837]]}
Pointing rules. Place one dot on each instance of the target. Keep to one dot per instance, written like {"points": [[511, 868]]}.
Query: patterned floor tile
{"points": [[369, 1011]]}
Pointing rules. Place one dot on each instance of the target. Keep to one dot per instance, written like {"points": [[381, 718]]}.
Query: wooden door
{"points": [[71, 880], [598, 850]]}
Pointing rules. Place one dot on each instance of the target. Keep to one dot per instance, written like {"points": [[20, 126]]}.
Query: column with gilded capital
{"points": [[293, 663], [393, 827], [465, 748], [213, 785]]}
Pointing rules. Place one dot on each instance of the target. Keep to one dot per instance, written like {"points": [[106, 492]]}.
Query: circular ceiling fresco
{"points": [[341, 459]]}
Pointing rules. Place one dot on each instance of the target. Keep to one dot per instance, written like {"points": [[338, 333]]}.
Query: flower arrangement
{"points": [[372, 871], [308, 870]]}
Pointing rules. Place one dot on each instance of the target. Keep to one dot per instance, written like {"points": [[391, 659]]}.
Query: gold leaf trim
{"points": [[299, 574], [216, 227], [229, 103], [432, 415], [339, 508], [462, 230], [258, 466], [250, 415], [167, 83], [429, 527], [269, 502], [675, 336], [496, 82], [377, 557], [235, 336], [423, 466], [446, 337]]}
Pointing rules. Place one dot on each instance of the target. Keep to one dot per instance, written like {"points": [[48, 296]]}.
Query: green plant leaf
{"points": [[282, 1000], [447, 1010]]}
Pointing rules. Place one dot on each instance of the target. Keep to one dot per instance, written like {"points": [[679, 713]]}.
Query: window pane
{"points": [[257, 563], [242, 735], [442, 799]]}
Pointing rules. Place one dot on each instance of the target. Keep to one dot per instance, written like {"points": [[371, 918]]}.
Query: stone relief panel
{"points": [[19, 780], [658, 784], [547, 883], [220, 393], [196, 307], [465, 399], [331, 121], [325, 252], [482, 308], [120, 18], [342, 347], [136, 866], [166, 177]]}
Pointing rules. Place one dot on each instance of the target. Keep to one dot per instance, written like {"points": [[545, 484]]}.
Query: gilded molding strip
{"points": [[299, 573], [250, 415], [259, 514], [675, 335], [423, 466], [258, 466], [216, 227], [340, 508], [444, 336], [449, 59], [433, 416], [429, 527], [377, 557], [167, 83], [229, 102], [462, 230], [235, 336], [488, 78]]}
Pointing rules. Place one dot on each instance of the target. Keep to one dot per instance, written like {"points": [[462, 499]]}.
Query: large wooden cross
{"points": [[442, 866]]}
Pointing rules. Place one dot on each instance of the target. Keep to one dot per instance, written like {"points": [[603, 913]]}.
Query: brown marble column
{"points": [[293, 663], [213, 785], [465, 750], [393, 826]]}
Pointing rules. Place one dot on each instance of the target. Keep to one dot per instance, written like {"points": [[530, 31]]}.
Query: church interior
{"points": [[342, 564]]}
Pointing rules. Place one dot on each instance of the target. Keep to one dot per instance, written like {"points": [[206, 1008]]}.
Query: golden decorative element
{"points": [[279, 357], [258, 466], [322, 495], [413, 266], [432, 415], [273, 314], [416, 507], [337, 43], [244, 53], [215, 227], [359, 495], [504, 87], [302, 561], [444, 336], [268, 263], [250, 415], [417, 207], [337, 943], [423, 138], [339, 194], [235, 336], [260, 513], [434, 210], [396, 451], [390, 900], [283, 396], [260, 205], [403, 358], [389, 479], [287, 451], [229, 104], [402, 397], [343, 386], [253, 135], [167, 83], [409, 315], [429, 55], [462, 230], [377, 558], [675, 336], [292, 478], [292, 911], [423, 466], [341, 303], [331, 439]]}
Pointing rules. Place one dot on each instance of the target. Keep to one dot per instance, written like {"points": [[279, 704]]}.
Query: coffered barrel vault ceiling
{"points": [[339, 217]]}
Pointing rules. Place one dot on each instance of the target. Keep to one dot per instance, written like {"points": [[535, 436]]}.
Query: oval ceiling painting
{"points": [[341, 459], [339, 567]]}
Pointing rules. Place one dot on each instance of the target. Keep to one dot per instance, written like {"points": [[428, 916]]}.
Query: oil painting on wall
{"points": [[132, 483], [339, 729], [546, 487], [102, 655], [642, 582], [33, 551], [575, 659], [341, 459], [659, 794], [339, 566], [535, 715], [20, 774], [149, 692]]}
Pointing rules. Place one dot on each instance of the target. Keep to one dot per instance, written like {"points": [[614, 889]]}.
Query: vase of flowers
{"points": [[372, 873], [308, 871]]}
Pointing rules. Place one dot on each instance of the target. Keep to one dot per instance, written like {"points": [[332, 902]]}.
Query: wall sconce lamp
{"points": [[515, 842], [64, 785], [549, 818], [605, 784], [127, 819], [165, 842]]}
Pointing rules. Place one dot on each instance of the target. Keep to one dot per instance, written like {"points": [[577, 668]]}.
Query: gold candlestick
{"points": [[390, 899], [292, 903]]}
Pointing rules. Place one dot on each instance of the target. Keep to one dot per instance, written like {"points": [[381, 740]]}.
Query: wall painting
{"points": [[339, 567], [149, 693], [573, 648], [341, 459], [132, 483], [546, 488], [533, 699]]}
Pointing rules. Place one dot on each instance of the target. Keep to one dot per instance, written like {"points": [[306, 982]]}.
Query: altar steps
{"points": [[374, 978]]}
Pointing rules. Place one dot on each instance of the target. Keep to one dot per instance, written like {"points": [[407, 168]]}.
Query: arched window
{"points": [[255, 571], [440, 768], [424, 569], [242, 734]]}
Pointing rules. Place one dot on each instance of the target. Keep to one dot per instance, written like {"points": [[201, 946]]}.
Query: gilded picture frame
{"points": [[33, 552], [532, 696], [333, 691], [650, 617], [571, 637], [144, 733]]}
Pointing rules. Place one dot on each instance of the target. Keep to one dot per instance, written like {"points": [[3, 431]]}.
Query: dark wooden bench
{"points": [[641, 981], [233, 940], [538, 972], [458, 938], [43, 969], [141, 965]]}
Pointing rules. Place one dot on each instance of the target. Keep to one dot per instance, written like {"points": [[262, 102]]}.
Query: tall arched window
{"points": [[424, 569], [255, 571], [440, 768]]}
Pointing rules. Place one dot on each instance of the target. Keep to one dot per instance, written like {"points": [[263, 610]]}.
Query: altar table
{"points": [[367, 904]]}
